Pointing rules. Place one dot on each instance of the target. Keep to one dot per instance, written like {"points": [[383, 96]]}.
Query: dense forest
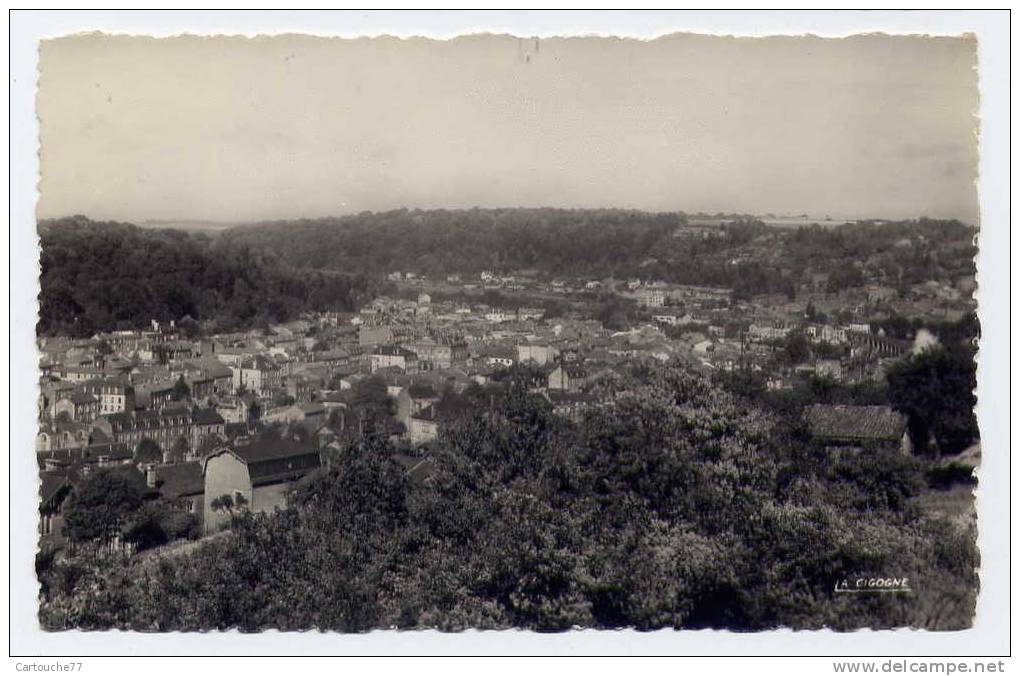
{"points": [[103, 276], [598, 242], [675, 506], [745, 255]]}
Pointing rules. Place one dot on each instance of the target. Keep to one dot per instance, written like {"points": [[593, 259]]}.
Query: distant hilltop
{"points": [[189, 225], [697, 218]]}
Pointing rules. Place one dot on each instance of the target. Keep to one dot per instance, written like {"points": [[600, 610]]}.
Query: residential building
{"points": [[304, 412], [530, 314], [412, 400], [155, 395], [571, 405], [261, 472], [500, 316], [536, 353], [164, 426], [568, 377], [829, 368], [53, 490], [651, 298], [857, 427], [373, 336], [259, 374], [206, 423], [763, 332], [498, 356], [115, 395], [423, 426], [303, 386], [233, 409], [60, 435], [389, 356], [672, 317], [181, 483], [869, 345], [439, 354], [832, 335], [77, 406]]}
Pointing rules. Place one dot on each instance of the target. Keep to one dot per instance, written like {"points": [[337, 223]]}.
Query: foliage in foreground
{"points": [[675, 507]]}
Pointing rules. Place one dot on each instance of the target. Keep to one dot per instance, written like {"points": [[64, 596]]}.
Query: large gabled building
{"points": [[164, 427], [261, 472]]}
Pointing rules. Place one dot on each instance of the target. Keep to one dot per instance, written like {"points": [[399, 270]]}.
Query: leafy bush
{"points": [[951, 474]]}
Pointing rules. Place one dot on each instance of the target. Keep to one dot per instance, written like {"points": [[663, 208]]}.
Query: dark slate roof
{"points": [[394, 351], [87, 455], [52, 484], [148, 419], [269, 448], [211, 366], [422, 391], [289, 468], [274, 460], [331, 355], [559, 398], [238, 429], [207, 416], [313, 409], [855, 423], [180, 479], [159, 388]]}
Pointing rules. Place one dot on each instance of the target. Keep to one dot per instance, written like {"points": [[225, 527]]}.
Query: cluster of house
{"points": [[201, 401], [198, 403], [259, 471]]}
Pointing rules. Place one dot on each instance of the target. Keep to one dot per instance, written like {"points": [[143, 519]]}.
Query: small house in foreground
{"points": [[858, 427]]}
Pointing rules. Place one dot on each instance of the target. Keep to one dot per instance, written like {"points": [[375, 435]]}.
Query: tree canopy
{"points": [[678, 505], [148, 451], [935, 390], [98, 506], [105, 276]]}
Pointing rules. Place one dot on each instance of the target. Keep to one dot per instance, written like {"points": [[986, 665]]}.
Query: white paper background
{"points": [[990, 633]]}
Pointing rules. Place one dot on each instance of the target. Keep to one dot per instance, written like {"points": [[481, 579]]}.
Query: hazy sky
{"points": [[289, 127]]}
